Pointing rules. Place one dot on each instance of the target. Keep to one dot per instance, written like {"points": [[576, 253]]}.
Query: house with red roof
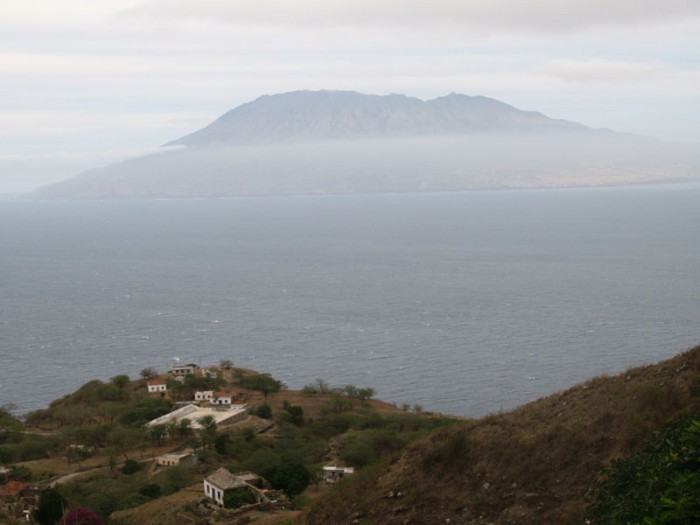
{"points": [[13, 491], [224, 398], [156, 386]]}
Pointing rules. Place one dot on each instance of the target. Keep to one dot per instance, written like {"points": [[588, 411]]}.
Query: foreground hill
{"points": [[309, 142], [535, 464]]}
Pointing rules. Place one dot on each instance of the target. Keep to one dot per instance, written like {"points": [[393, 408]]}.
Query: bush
{"points": [[264, 411], [82, 517], [296, 413], [131, 466], [238, 498], [657, 486], [144, 411], [152, 491]]}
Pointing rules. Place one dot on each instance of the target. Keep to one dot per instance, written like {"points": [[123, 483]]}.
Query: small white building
{"points": [[156, 385], [184, 370], [221, 482], [204, 395], [224, 398], [331, 473], [211, 371], [174, 459]]}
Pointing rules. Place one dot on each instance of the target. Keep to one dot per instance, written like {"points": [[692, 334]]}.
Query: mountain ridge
{"points": [[324, 115], [321, 142]]}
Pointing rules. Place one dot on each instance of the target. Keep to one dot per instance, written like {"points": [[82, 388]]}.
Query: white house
{"points": [[218, 484], [331, 473], [156, 385], [184, 370], [174, 459], [205, 395], [224, 398]]}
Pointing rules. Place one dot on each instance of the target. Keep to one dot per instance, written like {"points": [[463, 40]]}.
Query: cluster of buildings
{"points": [[18, 499], [157, 385]]}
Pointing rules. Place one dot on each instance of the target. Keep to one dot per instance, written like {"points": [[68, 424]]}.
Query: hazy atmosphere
{"points": [[88, 83]]}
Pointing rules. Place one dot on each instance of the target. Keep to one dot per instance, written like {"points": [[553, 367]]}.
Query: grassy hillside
{"points": [[93, 445], [535, 464]]}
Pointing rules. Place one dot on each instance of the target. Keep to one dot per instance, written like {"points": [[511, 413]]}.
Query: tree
{"points": [[185, 427], [290, 476], [148, 372], [319, 386], [365, 393], [264, 383], [226, 364], [50, 508], [221, 444], [156, 433], [120, 381], [122, 439], [207, 432]]}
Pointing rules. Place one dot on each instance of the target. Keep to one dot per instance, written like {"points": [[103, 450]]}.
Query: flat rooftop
{"points": [[194, 412]]}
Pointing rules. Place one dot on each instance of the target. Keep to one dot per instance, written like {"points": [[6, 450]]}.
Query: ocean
{"points": [[464, 303]]}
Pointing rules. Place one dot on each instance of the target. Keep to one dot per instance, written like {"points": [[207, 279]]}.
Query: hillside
{"points": [[98, 447], [535, 464], [532, 465], [311, 142]]}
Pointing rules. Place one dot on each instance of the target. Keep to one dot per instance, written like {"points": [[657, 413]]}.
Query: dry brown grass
{"points": [[531, 465]]}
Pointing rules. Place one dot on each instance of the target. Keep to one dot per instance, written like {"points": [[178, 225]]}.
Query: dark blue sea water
{"points": [[465, 303]]}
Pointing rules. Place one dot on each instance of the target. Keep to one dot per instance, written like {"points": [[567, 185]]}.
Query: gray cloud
{"points": [[537, 15], [602, 70]]}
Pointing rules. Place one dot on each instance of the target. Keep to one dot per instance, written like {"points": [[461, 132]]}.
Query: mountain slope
{"points": [[308, 142], [532, 465], [328, 115]]}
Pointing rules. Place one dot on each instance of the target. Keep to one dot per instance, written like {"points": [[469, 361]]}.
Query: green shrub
{"points": [[238, 498], [264, 411], [152, 491], [657, 486], [144, 411], [131, 466], [296, 413]]}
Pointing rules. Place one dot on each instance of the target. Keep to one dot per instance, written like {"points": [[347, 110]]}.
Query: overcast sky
{"points": [[87, 82]]}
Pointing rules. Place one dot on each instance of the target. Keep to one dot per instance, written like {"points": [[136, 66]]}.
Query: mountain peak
{"points": [[317, 115]]}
